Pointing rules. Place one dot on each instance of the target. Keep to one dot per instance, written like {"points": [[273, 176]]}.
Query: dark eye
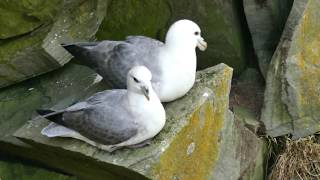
{"points": [[136, 80], [196, 33]]}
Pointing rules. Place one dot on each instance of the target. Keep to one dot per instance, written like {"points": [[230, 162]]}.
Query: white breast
{"points": [[150, 117], [178, 74]]}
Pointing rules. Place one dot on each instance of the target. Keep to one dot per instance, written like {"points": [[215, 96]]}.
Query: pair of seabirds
{"points": [[152, 71]]}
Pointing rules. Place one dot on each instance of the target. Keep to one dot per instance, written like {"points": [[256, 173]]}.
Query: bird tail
{"points": [[54, 116], [82, 52]]}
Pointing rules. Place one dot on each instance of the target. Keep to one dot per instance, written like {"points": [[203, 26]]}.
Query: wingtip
{"points": [[65, 45], [43, 112]]}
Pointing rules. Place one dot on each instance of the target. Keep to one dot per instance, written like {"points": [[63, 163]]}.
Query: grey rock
{"points": [[266, 19], [292, 104]]}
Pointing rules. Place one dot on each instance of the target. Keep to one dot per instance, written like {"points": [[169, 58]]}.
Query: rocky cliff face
{"points": [[33, 30], [205, 137]]}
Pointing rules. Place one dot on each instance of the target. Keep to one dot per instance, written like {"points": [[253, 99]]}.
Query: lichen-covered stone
{"points": [[190, 141], [266, 19], [292, 98], [39, 50], [201, 140], [224, 34]]}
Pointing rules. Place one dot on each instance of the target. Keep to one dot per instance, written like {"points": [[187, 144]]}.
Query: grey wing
{"points": [[111, 96], [99, 55], [105, 123], [136, 50]]}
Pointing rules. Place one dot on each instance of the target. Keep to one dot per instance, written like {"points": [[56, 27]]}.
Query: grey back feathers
{"points": [[113, 59], [102, 118]]}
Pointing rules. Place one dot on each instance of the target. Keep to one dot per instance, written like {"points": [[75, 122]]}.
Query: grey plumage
{"points": [[173, 63], [113, 118], [113, 59], [98, 120]]}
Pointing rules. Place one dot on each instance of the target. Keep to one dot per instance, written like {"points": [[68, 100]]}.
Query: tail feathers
{"points": [[54, 116], [75, 50], [81, 44], [82, 53]]}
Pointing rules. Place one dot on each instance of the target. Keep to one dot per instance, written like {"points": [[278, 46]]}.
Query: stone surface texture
{"points": [[34, 30], [292, 98], [266, 19]]}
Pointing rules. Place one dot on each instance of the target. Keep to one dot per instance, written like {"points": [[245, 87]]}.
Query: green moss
{"points": [[9, 48], [131, 17], [39, 51], [222, 33], [20, 17], [14, 170]]}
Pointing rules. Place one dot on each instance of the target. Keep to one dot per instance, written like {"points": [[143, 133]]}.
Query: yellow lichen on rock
{"points": [[307, 44], [189, 156], [195, 150], [292, 96]]}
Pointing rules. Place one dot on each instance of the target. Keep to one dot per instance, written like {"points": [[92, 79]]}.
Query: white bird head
{"points": [[185, 33], [139, 81]]}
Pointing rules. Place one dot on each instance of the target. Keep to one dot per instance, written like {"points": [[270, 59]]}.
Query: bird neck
{"points": [[137, 98], [179, 46], [179, 54]]}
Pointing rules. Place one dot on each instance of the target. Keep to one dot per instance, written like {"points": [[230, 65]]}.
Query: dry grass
{"points": [[300, 160]]}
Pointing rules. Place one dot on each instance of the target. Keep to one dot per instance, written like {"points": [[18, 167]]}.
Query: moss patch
{"points": [[131, 17], [19, 17]]}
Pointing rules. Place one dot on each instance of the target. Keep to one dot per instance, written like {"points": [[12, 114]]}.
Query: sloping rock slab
{"points": [[39, 50], [59, 88], [292, 98], [187, 148]]}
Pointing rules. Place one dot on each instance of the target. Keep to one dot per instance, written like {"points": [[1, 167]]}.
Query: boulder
{"points": [[33, 30], [224, 34], [292, 98], [266, 19], [191, 135]]}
